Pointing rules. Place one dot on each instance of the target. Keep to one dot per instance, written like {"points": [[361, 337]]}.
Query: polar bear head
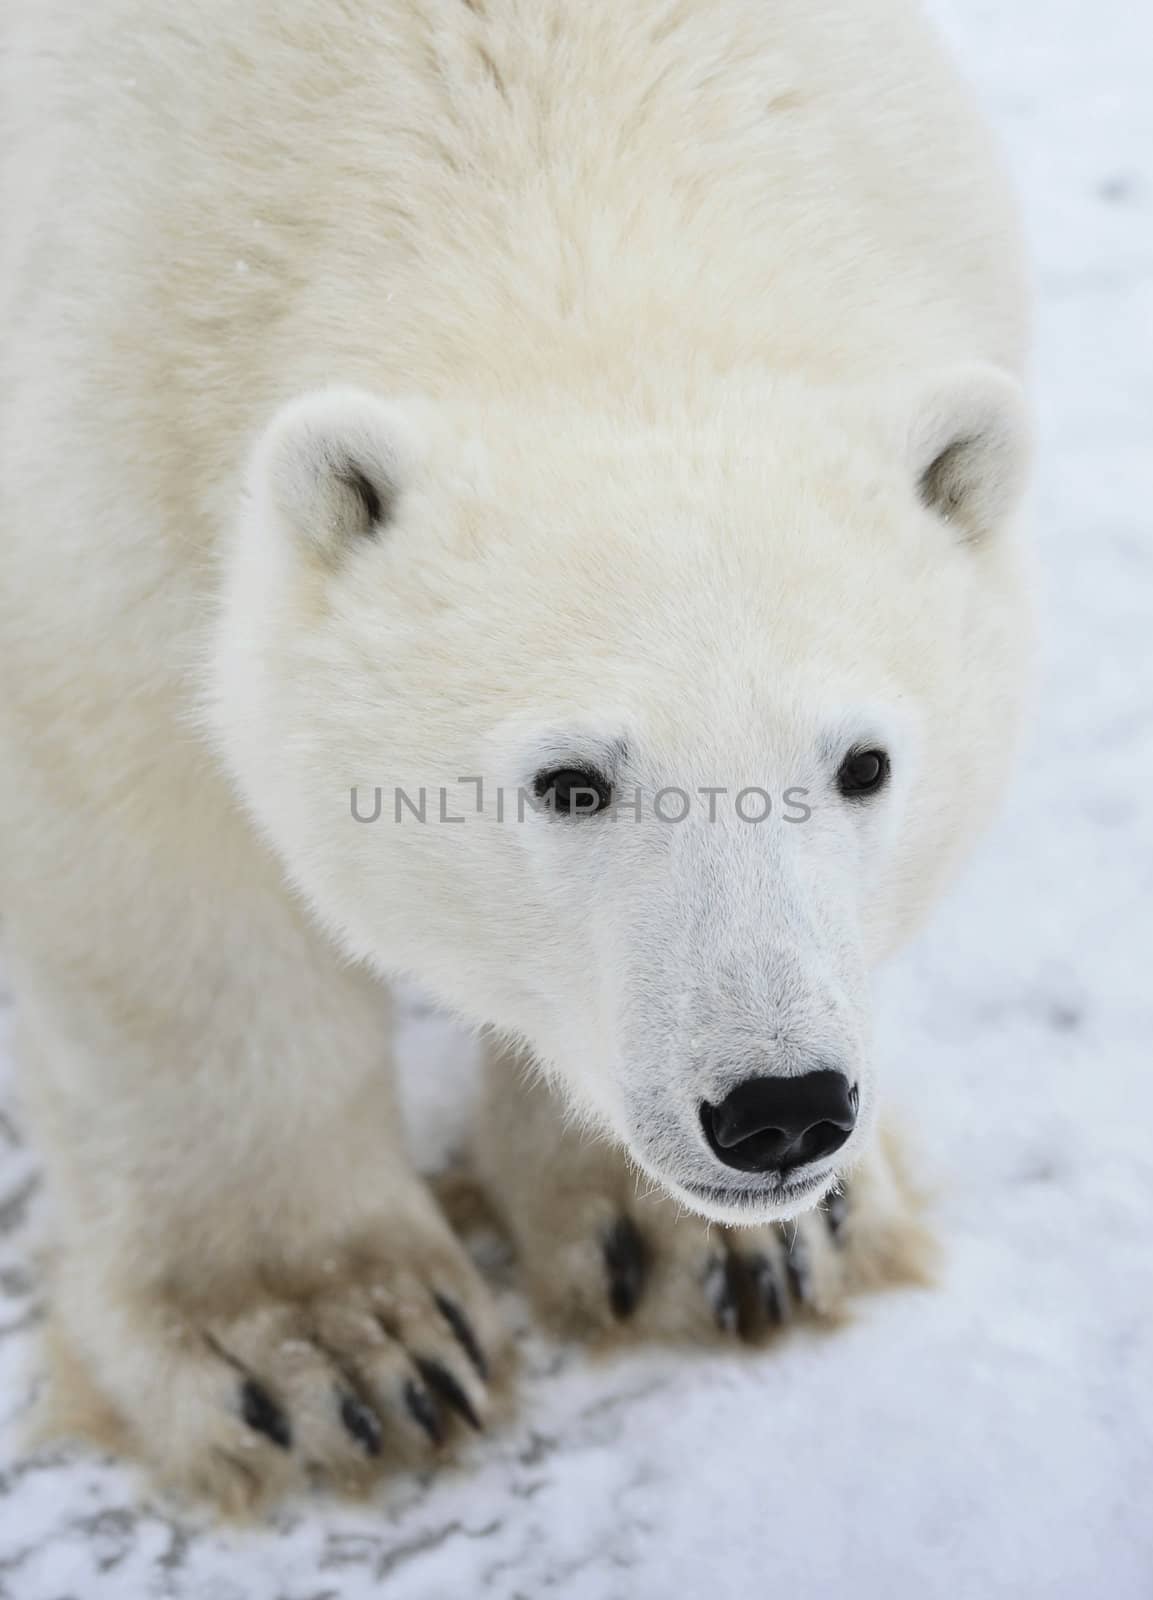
{"points": [[638, 732]]}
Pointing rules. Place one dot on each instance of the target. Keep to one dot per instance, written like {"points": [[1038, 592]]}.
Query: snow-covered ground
{"points": [[994, 1438]]}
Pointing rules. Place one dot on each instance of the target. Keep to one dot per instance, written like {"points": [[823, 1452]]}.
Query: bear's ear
{"points": [[333, 465], [969, 450]]}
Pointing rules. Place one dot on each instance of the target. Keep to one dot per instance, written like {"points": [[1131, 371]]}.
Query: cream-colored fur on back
{"points": [[657, 313]]}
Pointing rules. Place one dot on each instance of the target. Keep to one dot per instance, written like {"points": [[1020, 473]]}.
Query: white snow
{"points": [[993, 1438]]}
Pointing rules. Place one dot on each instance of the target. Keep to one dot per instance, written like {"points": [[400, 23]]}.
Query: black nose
{"points": [[776, 1124]]}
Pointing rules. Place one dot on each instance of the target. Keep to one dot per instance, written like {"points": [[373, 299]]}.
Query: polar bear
{"points": [[519, 494]]}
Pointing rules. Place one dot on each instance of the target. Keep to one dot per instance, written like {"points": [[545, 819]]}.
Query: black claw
{"points": [[462, 1328], [627, 1263], [263, 1415], [423, 1411], [723, 1292], [771, 1300], [442, 1383], [836, 1209], [767, 1289], [361, 1421], [799, 1268]]}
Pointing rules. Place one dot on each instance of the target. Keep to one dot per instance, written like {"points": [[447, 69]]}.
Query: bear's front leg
{"points": [[608, 1255], [252, 1289]]}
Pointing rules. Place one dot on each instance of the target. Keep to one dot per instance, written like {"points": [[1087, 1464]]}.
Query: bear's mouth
{"points": [[774, 1192]]}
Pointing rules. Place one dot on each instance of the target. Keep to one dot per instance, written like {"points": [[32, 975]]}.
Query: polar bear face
{"points": [[639, 738]]}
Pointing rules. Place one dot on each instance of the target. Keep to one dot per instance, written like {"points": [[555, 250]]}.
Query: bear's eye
{"points": [[573, 791], [862, 773]]}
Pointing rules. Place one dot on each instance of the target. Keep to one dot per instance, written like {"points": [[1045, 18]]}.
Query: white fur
{"points": [[689, 295]]}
